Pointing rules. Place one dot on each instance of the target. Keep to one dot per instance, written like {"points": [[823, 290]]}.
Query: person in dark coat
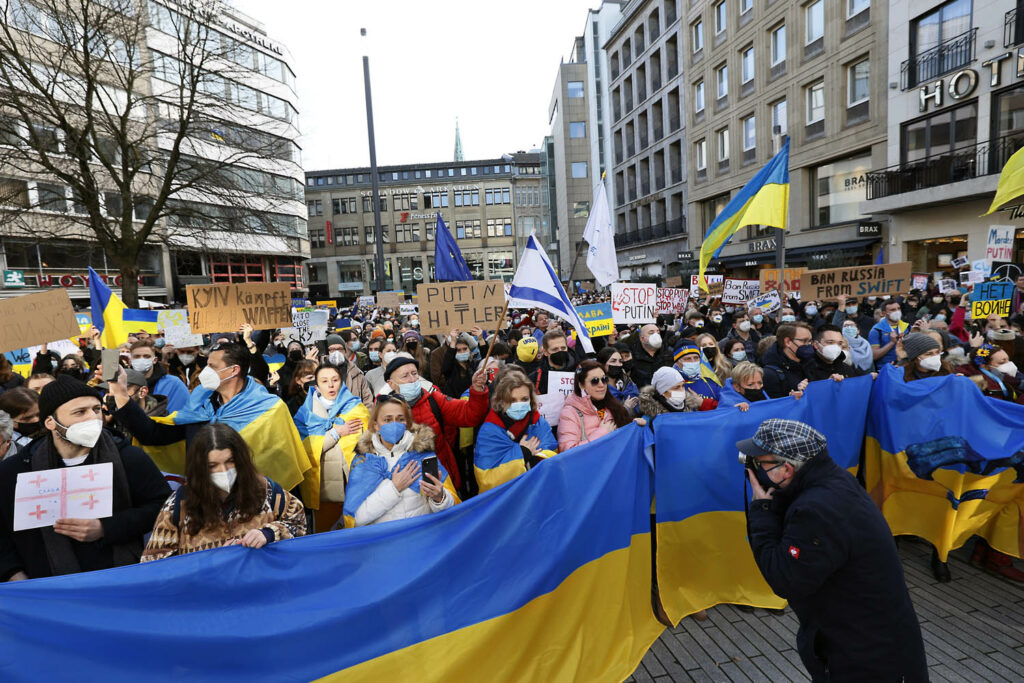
{"points": [[829, 360], [822, 544], [787, 364], [649, 353], [71, 414]]}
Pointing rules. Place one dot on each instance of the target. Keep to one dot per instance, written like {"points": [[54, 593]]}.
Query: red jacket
{"points": [[454, 413]]}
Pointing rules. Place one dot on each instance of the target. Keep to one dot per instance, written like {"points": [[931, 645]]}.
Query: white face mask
{"points": [[831, 352], [896, 316], [1009, 368], [744, 326], [84, 433], [187, 358], [336, 357], [654, 341], [142, 364], [209, 379], [957, 351], [677, 398], [388, 357], [224, 480], [931, 363]]}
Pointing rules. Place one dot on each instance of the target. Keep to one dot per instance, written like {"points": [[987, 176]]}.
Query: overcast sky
{"points": [[492, 64]]}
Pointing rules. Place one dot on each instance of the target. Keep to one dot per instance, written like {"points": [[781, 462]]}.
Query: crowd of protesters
{"points": [[397, 424]]}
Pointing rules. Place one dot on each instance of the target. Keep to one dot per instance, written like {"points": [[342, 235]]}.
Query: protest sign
{"points": [[878, 280], [947, 284], [586, 286], [991, 297], [177, 332], [740, 291], [308, 326], [715, 284], [331, 303], [769, 302], [225, 308], [81, 492], [409, 309], [84, 321], [1000, 243], [672, 299], [598, 319], [982, 266], [971, 277], [959, 262], [366, 300], [674, 281], [390, 299], [445, 306], [37, 319], [550, 404], [769, 279], [919, 281], [633, 302]]}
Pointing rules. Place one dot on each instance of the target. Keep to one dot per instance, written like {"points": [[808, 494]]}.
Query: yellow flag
{"points": [[1011, 181]]}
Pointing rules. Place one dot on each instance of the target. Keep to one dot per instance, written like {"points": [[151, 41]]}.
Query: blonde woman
{"points": [[709, 348]]}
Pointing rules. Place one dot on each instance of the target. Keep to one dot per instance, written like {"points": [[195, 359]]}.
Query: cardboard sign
{"points": [[177, 332], [586, 286], [550, 404], [999, 246], [919, 281], [715, 284], [991, 297], [225, 308], [366, 300], [445, 306], [37, 319], [769, 302], [80, 492], [672, 299], [960, 262], [390, 299], [879, 280], [634, 302], [409, 309], [674, 281], [769, 279], [598, 319], [740, 291], [947, 284]]}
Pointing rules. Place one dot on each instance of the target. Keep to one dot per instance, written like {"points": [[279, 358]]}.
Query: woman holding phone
{"points": [[392, 475]]}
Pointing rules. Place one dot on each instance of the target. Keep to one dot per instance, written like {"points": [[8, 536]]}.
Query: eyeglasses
{"points": [[595, 381], [802, 342], [777, 464]]}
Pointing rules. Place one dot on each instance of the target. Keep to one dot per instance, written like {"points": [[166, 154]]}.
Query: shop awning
{"points": [[741, 259], [837, 246]]}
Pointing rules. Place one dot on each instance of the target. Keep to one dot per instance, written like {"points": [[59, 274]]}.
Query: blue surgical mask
{"points": [[410, 391], [851, 310], [517, 411], [940, 317], [356, 345], [789, 318], [462, 357], [738, 355], [758, 319], [392, 432], [159, 342], [691, 369], [811, 310], [375, 356], [849, 332]]}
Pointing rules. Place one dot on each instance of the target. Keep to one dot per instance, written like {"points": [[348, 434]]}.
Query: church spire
{"points": [[458, 142]]}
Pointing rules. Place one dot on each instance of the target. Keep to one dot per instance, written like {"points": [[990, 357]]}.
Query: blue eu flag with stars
{"points": [[449, 264]]}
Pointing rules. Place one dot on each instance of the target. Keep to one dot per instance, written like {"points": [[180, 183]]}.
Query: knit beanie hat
{"points": [[665, 378], [917, 343], [526, 349], [333, 339], [56, 394], [397, 362], [685, 347]]}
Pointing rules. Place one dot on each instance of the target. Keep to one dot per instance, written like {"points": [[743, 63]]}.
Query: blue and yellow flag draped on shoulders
{"points": [[312, 429], [945, 462], [546, 578], [263, 421], [762, 201]]}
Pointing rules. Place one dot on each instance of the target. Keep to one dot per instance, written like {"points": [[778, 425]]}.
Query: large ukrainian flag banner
{"points": [[703, 555], [944, 462], [544, 579]]}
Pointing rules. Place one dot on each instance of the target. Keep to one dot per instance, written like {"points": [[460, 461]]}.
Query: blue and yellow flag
{"points": [[944, 462], [497, 458], [275, 362], [703, 555], [313, 427], [263, 421], [107, 312], [139, 320], [527, 582], [762, 201]]}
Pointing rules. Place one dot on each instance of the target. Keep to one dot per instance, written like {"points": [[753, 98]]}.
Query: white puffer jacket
{"points": [[387, 503]]}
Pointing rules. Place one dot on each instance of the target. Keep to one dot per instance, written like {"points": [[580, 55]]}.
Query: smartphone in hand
{"points": [[430, 466]]}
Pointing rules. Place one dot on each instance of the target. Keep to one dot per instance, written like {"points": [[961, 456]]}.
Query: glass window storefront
{"points": [[931, 255], [940, 133], [840, 189]]}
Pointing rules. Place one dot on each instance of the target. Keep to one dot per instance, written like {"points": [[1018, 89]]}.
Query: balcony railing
{"points": [[963, 164], [1013, 29], [670, 228], [941, 59]]}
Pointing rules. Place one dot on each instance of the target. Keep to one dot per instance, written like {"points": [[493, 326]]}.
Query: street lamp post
{"points": [[374, 179]]}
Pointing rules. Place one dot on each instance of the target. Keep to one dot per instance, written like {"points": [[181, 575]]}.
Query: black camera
{"points": [[748, 461]]}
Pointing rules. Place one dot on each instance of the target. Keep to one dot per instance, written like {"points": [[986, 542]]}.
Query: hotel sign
{"points": [[963, 83]]}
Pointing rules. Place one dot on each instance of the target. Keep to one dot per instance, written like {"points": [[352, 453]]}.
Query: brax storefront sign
{"points": [[963, 83], [761, 245], [869, 229]]}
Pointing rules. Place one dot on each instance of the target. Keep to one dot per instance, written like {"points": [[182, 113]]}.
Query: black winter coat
{"points": [[822, 544], [645, 365], [818, 368], [782, 375]]}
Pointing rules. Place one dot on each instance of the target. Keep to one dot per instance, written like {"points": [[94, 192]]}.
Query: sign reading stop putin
{"points": [[634, 303]]}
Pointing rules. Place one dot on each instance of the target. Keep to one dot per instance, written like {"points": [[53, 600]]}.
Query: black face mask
{"points": [[308, 385], [411, 347], [560, 358], [763, 479], [627, 365], [295, 355], [710, 352], [753, 395], [28, 428], [614, 371]]}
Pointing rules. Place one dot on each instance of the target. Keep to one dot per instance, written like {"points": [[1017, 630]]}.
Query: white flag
{"points": [[600, 235]]}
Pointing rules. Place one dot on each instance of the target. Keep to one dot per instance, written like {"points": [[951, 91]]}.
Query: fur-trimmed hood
{"points": [[422, 440], [652, 403]]}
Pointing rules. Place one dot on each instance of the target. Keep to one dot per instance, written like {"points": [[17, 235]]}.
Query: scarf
{"points": [[370, 469], [860, 353], [59, 551], [309, 422]]}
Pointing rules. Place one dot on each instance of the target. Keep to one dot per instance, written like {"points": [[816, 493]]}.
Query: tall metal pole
{"points": [[780, 234], [374, 179]]}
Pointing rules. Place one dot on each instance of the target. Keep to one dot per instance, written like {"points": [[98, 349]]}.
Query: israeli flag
{"points": [[536, 284]]}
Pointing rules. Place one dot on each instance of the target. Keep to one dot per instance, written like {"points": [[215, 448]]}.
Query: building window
{"points": [[840, 189], [700, 150], [931, 30], [335, 206], [54, 198], [858, 82], [466, 198], [710, 208], [698, 96], [746, 6], [779, 45], [749, 133], [723, 144], [579, 169], [1008, 111], [814, 21], [940, 133], [780, 123], [855, 7], [465, 230], [722, 79], [816, 102], [499, 227], [697, 31], [721, 20], [575, 88], [747, 64], [581, 209], [577, 129], [311, 208]]}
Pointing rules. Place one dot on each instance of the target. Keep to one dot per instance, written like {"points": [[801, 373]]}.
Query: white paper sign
{"points": [[550, 404], [409, 309], [80, 492], [634, 302], [312, 318], [769, 302], [960, 262], [367, 300], [947, 284], [740, 291], [307, 327], [177, 332], [1000, 243], [695, 282]]}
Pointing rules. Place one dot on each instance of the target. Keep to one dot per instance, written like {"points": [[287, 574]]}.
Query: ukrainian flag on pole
{"points": [[762, 201], [107, 312], [1011, 181]]}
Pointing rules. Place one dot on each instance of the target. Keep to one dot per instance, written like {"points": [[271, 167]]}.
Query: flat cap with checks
{"points": [[787, 439]]}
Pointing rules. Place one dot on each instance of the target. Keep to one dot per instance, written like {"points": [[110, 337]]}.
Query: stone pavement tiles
{"points": [[973, 629]]}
